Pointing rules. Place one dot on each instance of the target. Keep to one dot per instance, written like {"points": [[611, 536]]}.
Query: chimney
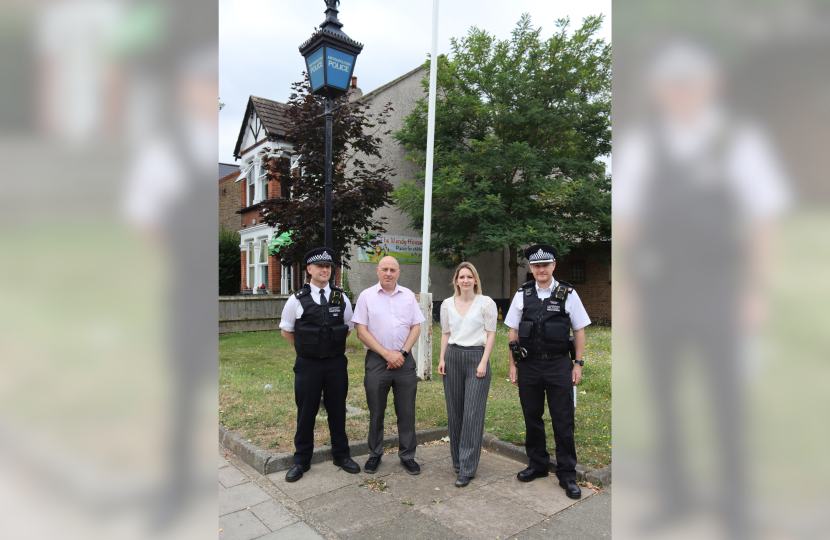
{"points": [[355, 93]]}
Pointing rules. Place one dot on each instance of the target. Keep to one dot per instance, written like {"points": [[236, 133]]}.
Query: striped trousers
{"points": [[466, 396]]}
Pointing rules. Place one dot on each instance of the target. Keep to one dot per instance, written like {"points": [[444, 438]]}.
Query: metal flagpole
{"points": [[433, 75], [424, 356]]}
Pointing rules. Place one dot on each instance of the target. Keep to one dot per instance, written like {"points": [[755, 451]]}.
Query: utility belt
{"points": [[546, 356]]}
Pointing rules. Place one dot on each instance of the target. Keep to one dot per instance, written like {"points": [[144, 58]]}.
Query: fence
{"points": [[250, 313]]}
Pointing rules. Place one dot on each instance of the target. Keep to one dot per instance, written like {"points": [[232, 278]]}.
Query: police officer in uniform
{"points": [[541, 316], [316, 320]]}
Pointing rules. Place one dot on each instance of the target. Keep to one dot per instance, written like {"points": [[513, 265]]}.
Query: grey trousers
{"points": [[466, 396], [404, 383]]}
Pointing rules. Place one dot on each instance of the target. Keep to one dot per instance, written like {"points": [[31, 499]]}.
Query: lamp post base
{"points": [[422, 351]]}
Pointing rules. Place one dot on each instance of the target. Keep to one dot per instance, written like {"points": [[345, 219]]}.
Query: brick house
{"points": [[591, 279], [229, 197], [261, 127]]}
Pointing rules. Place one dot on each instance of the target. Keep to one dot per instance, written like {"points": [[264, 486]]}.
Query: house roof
{"points": [[226, 168], [369, 95], [271, 115]]}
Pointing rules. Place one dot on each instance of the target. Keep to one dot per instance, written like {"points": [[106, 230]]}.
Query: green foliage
{"points": [[360, 184], [230, 270], [520, 125]]}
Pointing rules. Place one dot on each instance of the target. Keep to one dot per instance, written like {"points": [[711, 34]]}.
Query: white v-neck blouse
{"points": [[469, 330]]}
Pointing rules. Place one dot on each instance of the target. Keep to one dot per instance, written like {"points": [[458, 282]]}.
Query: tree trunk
{"points": [[514, 270]]}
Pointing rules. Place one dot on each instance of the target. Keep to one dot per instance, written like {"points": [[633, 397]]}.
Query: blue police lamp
{"points": [[330, 57]]}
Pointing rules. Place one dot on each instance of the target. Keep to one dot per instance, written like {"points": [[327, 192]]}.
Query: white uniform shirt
{"points": [[471, 329], [573, 307], [293, 309]]}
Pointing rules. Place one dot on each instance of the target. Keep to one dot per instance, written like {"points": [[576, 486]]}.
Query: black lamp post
{"points": [[330, 57]]}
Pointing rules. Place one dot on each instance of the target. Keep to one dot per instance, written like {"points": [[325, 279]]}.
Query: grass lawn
{"points": [[250, 360]]}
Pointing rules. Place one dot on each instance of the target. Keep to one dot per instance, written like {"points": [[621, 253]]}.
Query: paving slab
{"points": [[432, 483], [242, 525], [241, 497], [588, 520], [432, 453], [321, 478], [491, 468], [352, 509], [223, 462], [274, 515], [482, 515], [231, 476], [298, 531], [411, 525], [542, 495]]}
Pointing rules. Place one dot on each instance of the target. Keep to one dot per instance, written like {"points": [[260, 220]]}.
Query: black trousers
{"points": [[551, 377], [312, 377]]}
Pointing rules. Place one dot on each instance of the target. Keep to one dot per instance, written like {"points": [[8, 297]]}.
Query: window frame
{"points": [[577, 266]]}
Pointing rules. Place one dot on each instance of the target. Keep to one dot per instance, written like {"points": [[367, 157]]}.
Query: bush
{"points": [[230, 271]]}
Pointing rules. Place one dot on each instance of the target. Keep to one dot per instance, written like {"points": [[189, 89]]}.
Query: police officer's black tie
{"points": [[323, 298]]}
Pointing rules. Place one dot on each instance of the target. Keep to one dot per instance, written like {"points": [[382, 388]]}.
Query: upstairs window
{"points": [[263, 183], [251, 187]]}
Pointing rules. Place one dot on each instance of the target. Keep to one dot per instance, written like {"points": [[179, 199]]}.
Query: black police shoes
{"points": [[530, 474], [296, 472], [571, 488], [410, 466], [462, 481], [347, 465], [372, 465]]}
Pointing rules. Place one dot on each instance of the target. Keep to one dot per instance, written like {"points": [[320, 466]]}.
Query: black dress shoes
{"points": [[296, 472], [372, 465], [571, 488], [410, 466], [347, 465], [462, 481], [530, 474]]}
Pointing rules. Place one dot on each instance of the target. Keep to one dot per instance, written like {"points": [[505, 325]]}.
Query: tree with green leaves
{"points": [[520, 126], [359, 185], [230, 272]]}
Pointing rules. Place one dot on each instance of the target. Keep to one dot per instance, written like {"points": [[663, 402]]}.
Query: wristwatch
{"points": [[580, 362], [403, 352]]}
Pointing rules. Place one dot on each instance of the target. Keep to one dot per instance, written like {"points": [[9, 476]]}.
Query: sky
{"points": [[259, 40]]}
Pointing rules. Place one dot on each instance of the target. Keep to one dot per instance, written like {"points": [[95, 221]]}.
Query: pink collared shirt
{"points": [[388, 317]]}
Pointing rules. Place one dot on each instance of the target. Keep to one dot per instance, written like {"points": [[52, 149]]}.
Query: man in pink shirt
{"points": [[388, 322]]}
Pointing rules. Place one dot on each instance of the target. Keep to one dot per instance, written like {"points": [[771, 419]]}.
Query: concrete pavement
{"points": [[328, 503]]}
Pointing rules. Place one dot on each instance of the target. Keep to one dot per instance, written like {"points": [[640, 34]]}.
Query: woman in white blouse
{"points": [[468, 326]]}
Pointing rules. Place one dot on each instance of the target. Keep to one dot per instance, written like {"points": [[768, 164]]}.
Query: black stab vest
{"points": [[545, 326], [320, 332]]}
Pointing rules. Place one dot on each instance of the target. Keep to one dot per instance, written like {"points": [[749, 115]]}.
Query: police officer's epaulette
{"points": [[527, 287], [336, 288], [562, 290], [526, 284], [302, 292]]}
